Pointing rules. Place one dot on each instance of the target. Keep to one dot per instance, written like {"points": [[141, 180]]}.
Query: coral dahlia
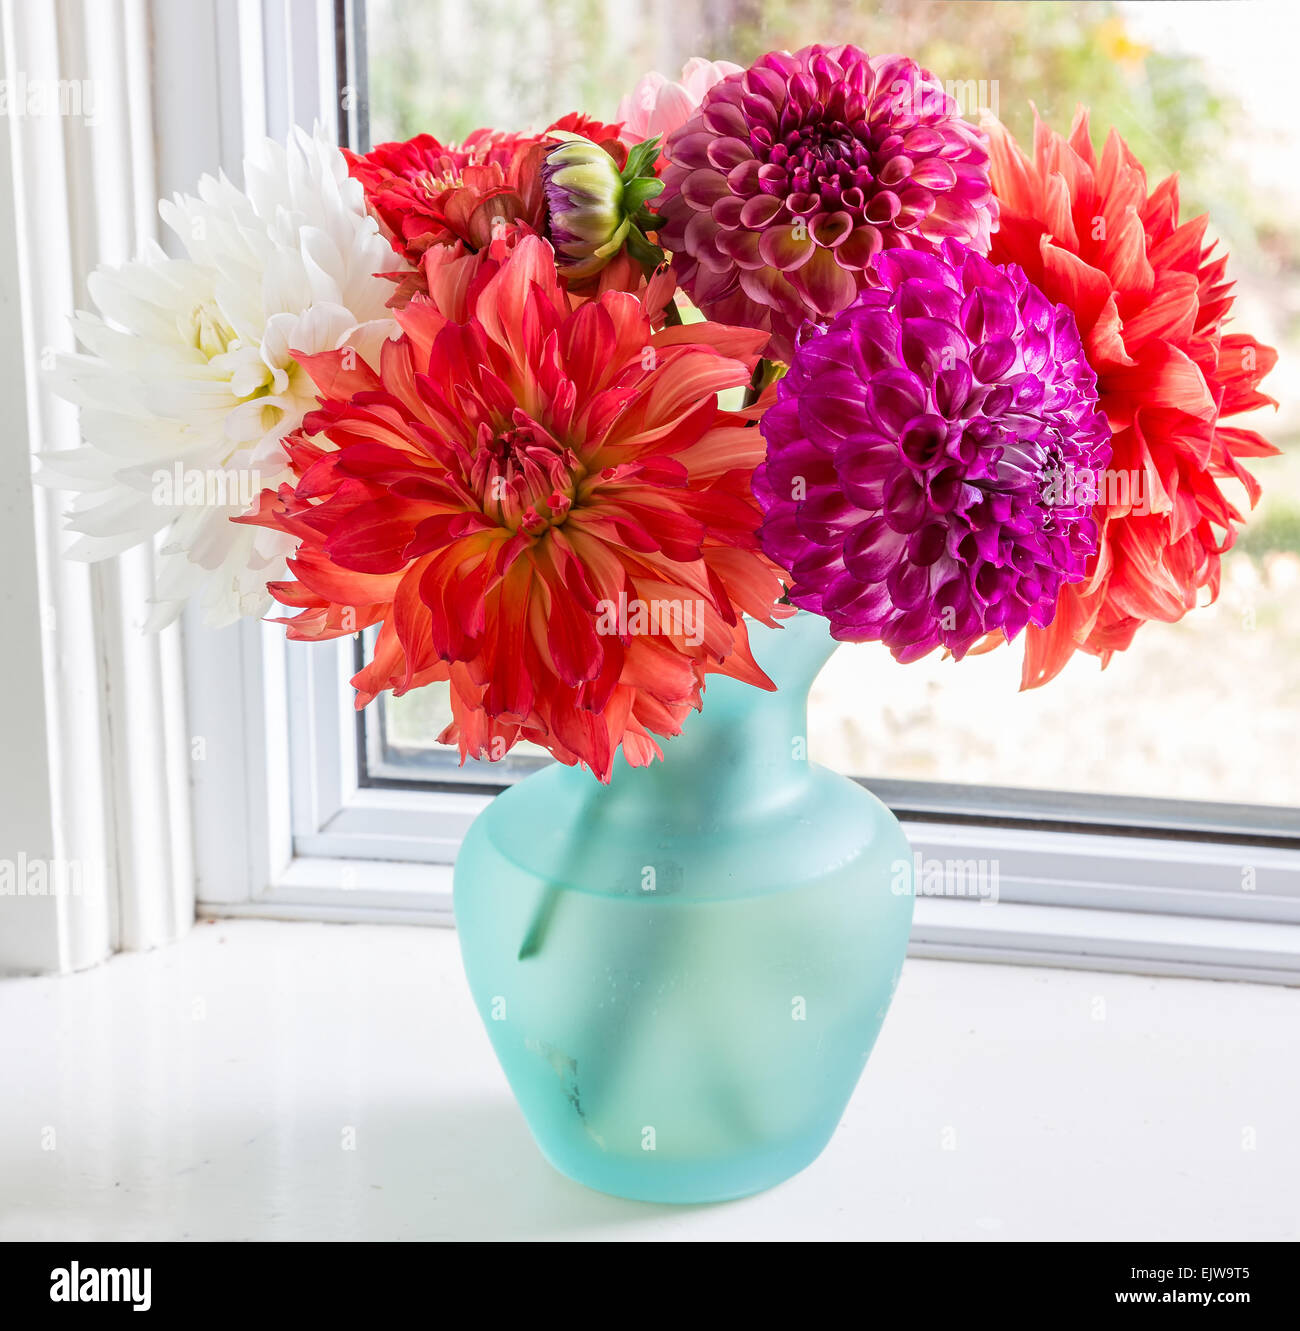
{"points": [[930, 458], [793, 175], [1150, 302], [539, 500]]}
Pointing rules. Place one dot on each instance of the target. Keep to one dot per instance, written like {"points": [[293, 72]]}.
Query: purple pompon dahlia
{"points": [[795, 173], [933, 458]]}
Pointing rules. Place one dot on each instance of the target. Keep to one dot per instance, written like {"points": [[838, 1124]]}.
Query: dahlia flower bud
{"points": [[595, 209], [932, 455]]}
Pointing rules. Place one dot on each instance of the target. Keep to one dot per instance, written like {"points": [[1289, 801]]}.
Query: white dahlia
{"points": [[188, 382]]}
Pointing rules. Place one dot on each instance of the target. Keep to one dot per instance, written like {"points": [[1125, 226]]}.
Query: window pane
{"points": [[402, 744], [1204, 710]]}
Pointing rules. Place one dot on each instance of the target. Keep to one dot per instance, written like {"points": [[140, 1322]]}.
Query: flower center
{"points": [[832, 143], [206, 330], [435, 184], [526, 478], [821, 160]]}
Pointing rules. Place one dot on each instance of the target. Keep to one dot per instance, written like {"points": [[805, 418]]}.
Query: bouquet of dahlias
{"points": [[448, 393]]}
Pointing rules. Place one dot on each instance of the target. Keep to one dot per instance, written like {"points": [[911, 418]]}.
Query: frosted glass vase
{"points": [[683, 972]]}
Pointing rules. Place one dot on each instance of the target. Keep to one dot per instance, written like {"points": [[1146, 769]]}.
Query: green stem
{"points": [[755, 383], [548, 900]]}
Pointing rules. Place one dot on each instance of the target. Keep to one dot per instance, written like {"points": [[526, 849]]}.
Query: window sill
{"points": [[211, 1090], [1153, 906]]}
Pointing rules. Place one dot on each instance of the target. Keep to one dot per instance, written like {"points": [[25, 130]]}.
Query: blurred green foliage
{"points": [[523, 63], [1276, 529]]}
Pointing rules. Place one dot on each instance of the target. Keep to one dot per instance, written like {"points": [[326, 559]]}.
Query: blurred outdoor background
{"points": [[1207, 709]]}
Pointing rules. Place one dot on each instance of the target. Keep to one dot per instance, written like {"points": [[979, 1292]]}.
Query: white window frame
{"points": [[95, 769], [283, 827]]}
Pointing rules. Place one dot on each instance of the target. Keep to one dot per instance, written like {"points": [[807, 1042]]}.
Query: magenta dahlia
{"points": [[795, 173], [933, 457]]}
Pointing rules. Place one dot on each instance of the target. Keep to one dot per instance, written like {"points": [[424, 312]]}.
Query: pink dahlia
{"points": [[795, 174], [658, 106], [932, 458]]}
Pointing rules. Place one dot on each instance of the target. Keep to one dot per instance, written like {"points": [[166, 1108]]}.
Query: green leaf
{"points": [[641, 159], [647, 255], [637, 192]]}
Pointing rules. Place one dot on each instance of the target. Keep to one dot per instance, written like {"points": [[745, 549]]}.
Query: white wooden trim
{"points": [[366, 892], [298, 56], [1109, 940], [332, 815], [116, 207], [53, 793], [1157, 875]]}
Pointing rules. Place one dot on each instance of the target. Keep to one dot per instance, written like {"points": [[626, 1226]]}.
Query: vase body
{"points": [[683, 972]]}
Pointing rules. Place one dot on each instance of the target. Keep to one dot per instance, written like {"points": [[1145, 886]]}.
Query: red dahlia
{"points": [[428, 194]]}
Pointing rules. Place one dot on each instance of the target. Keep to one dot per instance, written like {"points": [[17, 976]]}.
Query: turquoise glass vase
{"points": [[683, 972]]}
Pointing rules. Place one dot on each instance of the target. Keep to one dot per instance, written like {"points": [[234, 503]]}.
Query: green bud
{"points": [[595, 209]]}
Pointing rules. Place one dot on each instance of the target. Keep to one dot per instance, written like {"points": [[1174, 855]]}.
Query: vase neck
{"points": [[745, 740]]}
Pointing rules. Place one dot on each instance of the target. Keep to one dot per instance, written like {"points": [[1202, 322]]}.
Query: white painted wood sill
{"points": [[212, 1090]]}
